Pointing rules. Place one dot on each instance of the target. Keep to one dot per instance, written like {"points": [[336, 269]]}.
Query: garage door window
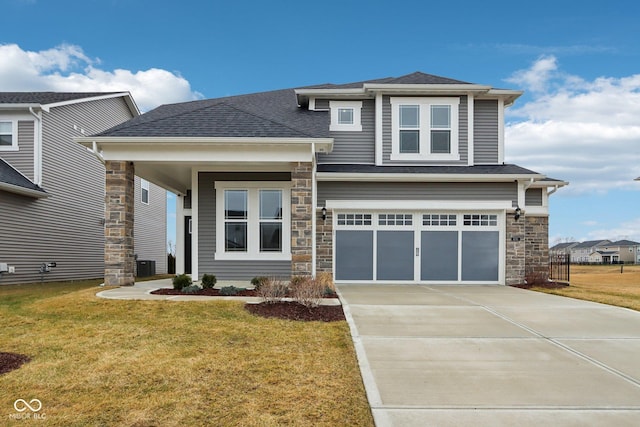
{"points": [[480, 220], [354, 219], [395, 219], [439, 220]]}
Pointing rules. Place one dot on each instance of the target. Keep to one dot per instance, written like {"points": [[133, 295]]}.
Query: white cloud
{"points": [[629, 230], [67, 68], [585, 132]]}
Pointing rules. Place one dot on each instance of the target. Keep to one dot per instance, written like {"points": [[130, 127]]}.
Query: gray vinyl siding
{"points": [[533, 197], [354, 147], [322, 104], [463, 135], [416, 191], [65, 227], [23, 159], [230, 270], [150, 226], [485, 142]]}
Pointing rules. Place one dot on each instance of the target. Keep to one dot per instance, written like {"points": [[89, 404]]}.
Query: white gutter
{"points": [[37, 149], [423, 177], [23, 191], [320, 143]]}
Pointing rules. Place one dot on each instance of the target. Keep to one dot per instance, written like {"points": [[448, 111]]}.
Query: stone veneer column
{"points": [[515, 250], [118, 229], [324, 242], [301, 215], [537, 246]]}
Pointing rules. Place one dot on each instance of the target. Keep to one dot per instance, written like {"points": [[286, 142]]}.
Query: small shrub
{"points": [[536, 278], [272, 290], [230, 291], [181, 281], [307, 290], [208, 281], [191, 289], [257, 281], [326, 279]]}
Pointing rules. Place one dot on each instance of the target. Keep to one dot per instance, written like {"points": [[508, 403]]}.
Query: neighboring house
{"points": [[383, 181], [622, 251], [52, 190], [562, 248], [580, 253]]}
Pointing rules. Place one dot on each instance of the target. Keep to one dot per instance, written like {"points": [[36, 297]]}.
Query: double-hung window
{"points": [[8, 136], [424, 128], [253, 220], [144, 191], [345, 116]]}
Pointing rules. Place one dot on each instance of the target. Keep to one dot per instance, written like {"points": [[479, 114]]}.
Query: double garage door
{"points": [[442, 247]]}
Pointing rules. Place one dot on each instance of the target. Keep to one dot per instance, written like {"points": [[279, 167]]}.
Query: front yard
{"points": [[608, 284], [143, 363]]}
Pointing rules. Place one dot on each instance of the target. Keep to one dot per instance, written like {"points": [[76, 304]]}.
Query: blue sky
{"points": [[578, 63]]}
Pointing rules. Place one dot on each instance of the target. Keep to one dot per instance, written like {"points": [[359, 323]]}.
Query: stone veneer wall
{"points": [[119, 207], [324, 242], [537, 246], [301, 216], [529, 254], [515, 250]]}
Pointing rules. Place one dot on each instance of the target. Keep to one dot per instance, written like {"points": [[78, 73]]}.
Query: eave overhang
{"points": [[425, 177], [38, 194]]}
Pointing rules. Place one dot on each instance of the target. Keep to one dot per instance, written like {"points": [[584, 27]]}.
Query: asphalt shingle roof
{"points": [[9, 175], [44, 98], [265, 114]]}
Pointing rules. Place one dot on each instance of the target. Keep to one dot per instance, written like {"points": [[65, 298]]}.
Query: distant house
{"points": [[562, 248], [52, 190], [398, 179], [623, 251], [582, 251]]}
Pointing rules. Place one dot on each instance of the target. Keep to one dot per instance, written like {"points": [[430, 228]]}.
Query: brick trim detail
{"points": [[119, 207]]}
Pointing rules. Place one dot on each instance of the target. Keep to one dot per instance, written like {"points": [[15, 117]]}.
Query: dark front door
{"points": [[187, 244]]}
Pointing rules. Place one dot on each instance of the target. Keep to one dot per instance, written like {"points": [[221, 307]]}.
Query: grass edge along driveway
{"points": [[138, 363]]}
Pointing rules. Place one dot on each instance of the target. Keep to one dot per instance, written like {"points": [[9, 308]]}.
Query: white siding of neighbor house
{"points": [[66, 227], [150, 226]]}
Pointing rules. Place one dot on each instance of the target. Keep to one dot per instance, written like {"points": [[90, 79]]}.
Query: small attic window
{"points": [[345, 116]]}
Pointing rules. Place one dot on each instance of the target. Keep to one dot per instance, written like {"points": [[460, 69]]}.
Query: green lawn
{"points": [[144, 363]]}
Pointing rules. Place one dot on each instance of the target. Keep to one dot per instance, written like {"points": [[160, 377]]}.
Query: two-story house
{"points": [[394, 180], [52, 190], [621, 251], [580, 253]]}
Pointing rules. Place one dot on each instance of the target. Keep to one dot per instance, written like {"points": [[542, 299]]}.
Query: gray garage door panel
{"points": [[439, 258], [354, 255], [395, 255], [480, 250]]}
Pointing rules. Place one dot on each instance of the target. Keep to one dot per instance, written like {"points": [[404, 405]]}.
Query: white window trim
{"points": [[425, 128], [144, 185], [253, 234], [14, 136], [356, 106]]}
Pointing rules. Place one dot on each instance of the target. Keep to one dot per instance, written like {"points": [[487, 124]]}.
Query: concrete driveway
{"points": [[493, 356]]}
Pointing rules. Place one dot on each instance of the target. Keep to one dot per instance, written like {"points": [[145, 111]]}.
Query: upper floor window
{"points": [[144, 194], [346, 116], [424, 128], [8, 136]]}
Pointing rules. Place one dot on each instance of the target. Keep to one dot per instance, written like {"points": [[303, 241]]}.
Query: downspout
{"points": [[555, 188], [314, 203], [37, 151]]}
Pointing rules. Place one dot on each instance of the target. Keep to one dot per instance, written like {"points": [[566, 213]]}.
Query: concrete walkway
{"points": [[142, 291], [493, 356]]}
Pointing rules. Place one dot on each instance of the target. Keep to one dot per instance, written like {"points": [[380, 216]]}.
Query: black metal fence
{"points": [[559, 267]]}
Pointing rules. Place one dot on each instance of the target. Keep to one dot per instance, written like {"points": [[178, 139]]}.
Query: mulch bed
{"points": [[295, 311], [546, 285], [11, 361], [288, 310]]}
